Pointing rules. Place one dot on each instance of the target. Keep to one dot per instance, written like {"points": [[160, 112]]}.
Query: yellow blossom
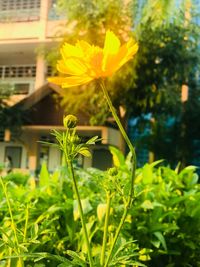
{"points": [[82, 63]]}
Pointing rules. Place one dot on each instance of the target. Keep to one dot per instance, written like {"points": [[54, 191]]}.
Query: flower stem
{"points": [[13, 225], [132, 150], [26, 223], [105, 229], [116, 236], [71, 170]]}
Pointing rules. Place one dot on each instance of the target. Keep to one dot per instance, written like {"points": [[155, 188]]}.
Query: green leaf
{"points": [[161, 238], [66, 265], [156, 243], [86, 206], [93, 140], [147, 174], [76, 258], [55, 177], [118, 157], [147, 204], [85, 152], [37, 256], [153, 164], [44, 176]]}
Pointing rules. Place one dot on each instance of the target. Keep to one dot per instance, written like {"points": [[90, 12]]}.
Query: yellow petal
{"points": [[84, 62], [127, 51], [113, 62], [111, 44], [57, 80], [68, 50], [72, 66], [111, 48], [95, 61], [70, 81], [83, 46], [132, 47]]}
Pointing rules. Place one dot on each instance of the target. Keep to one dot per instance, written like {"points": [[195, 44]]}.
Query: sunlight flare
{"points": [[82, 63]]}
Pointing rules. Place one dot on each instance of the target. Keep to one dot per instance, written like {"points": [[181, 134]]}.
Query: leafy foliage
{"points": [[10, 117], [163, 220], [168, 36]]}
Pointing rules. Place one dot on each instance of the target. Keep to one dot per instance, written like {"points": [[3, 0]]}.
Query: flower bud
{"points": [[111, 228], [75, 139], [70, 121]]}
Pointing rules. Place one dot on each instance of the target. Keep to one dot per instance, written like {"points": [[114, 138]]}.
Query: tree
{"points": [[151, 83], [11, 117], [92, 19], [168, 59]]}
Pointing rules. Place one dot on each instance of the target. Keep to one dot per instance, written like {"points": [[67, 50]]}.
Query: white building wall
{"points": [[54, 158]]}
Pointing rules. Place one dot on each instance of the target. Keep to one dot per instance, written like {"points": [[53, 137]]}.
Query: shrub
{"points": [[164, 219]]}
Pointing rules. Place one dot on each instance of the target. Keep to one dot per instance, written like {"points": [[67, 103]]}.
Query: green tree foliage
{"points": [[92, 18], [11, 117], [151, 83], [168, 59], [167, 49]]}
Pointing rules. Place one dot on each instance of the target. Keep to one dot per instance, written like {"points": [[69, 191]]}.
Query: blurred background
{"points": [[157, 94]]}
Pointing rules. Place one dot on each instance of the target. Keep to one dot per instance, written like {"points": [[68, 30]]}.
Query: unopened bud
{"points": [[70, 121], [75, 139]]}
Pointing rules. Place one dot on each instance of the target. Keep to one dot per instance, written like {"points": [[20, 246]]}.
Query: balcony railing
{"points": [[20, 77], [17, 71], [23, 10], [19, 15]]}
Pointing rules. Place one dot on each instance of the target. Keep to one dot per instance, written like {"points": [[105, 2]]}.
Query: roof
{"points": [[33, 98]]}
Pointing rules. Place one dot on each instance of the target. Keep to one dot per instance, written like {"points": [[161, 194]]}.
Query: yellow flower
{"points": [[83, 62]]}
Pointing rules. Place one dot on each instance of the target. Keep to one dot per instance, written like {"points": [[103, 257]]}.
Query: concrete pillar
{"points": [[44, 9], [40, 71], [7, 135], [40, 62], [32, 151]]}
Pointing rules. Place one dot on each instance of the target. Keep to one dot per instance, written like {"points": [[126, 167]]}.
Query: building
{"points": [[27, 27]]}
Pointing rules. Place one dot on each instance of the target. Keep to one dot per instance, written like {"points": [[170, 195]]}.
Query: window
{"points": [[15, 153], [18, 4], [18, 71], [49, 71], [19, 10], [101, 158], [21, 88], [43, 155]]}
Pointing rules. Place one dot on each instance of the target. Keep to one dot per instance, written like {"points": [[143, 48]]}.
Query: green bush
{"points": [[164, 219], [166, 216], [17, 178]]}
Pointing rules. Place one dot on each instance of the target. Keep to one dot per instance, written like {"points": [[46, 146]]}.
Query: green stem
{"points": [[119, 124], [26, 223], [132, 149], [71, 170], [116, 235], [13, 226], [105, 229]]}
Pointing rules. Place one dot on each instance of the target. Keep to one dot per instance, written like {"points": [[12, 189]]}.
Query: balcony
{"points": [[19, 11], [20, 77]]}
